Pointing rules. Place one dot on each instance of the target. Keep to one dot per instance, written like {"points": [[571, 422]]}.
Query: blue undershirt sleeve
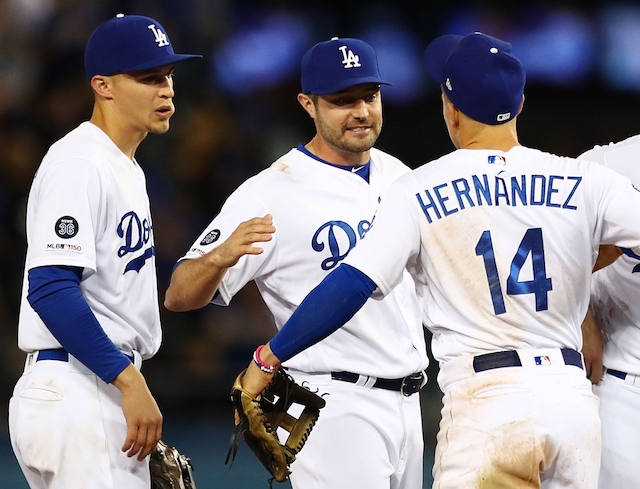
{"points": [[325, 309], [54, 293]]}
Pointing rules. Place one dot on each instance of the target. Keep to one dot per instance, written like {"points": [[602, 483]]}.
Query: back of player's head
{"points": [[479, 74], [129, 43], [338, 64]]}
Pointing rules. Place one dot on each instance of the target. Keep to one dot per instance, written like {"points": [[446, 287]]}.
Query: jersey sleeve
{"points": [[63, 216], [594, 154], [622, 158], [618, 208], [393, 242], [241, 206]]}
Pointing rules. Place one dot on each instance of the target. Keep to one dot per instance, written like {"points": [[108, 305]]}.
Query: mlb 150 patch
{"points": [[64, 247]]}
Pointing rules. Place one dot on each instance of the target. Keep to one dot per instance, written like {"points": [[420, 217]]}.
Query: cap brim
{"points": [[165, 60], [348, 83], [436, 54]]}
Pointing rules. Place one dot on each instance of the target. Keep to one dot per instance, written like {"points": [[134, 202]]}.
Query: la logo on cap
{"points": [[161, 37], [349, 60]]}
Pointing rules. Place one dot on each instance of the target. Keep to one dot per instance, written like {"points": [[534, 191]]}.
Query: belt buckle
{"points": [[411, 384]]}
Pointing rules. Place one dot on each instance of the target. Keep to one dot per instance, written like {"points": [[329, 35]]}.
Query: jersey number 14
{"points": [[540, 285]]}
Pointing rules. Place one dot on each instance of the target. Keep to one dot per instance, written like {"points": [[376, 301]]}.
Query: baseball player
{"points": [[321, 198], [614, 301], [81, 414], [501, 240]]}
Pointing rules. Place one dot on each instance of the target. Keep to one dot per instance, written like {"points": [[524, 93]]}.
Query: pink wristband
{"points": [[270, 369]]}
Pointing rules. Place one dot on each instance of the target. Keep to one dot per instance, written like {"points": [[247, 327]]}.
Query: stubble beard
{"points": [[345, 141]]}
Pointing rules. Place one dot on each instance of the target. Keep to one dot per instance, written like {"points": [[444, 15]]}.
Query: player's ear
{"points": [[307, 104], [451, 113], [101, 85]]}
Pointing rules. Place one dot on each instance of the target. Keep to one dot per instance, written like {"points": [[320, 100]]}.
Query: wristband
{"points": [[270, 369]]}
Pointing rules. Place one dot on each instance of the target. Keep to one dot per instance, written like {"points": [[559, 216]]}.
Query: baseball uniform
{"points": [[366, 436], [502, 245], [614, 301], [87, 208], [89, 301]]}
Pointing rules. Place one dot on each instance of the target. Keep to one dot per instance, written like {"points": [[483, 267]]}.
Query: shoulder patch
{"points": [[211, 237], [67, 227]]}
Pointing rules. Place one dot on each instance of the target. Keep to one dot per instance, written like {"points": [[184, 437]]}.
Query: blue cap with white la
{"points": [[479, 74], [338, 64], [129, 43]]}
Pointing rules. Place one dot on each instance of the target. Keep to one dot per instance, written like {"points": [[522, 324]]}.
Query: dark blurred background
{"points": [[237, 112]]}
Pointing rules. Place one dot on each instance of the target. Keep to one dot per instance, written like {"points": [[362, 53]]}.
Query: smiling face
{"points": [[144, 99], [348, 123]]}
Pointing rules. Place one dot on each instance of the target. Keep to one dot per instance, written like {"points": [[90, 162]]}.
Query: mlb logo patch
{"points": [[497, 160], [544, 360]]}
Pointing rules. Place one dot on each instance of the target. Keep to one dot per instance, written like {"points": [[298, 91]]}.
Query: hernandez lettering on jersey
{"points": [[448, 198]]}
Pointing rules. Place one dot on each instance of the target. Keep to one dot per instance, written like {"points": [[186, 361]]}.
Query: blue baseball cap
{"points": [[335, 65], [128, 43], [479, 74]]}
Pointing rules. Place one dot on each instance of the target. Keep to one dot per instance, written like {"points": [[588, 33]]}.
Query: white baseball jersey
{"points": [[615, 294], [320, 213], [502, 245], [88, 207], [615, 290]]}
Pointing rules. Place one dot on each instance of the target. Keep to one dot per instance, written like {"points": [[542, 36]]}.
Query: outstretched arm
{"points": [[194, 282], [325, 309]]}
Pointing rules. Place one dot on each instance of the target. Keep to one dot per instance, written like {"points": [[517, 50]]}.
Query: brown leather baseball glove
{"points": [[261, 416]]}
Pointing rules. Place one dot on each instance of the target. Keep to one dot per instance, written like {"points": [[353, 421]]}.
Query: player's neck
{"points": [[481, 136], [123, 137], [334, 155]]}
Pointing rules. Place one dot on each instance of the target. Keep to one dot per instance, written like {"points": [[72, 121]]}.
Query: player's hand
{"points": [[592, 348], [241, 241], [141, 412], [255, 380], [607, 254], [195, 282]]}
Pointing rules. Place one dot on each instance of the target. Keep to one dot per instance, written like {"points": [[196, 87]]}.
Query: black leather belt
{"points": [[510, 358], [60, 354], [617, 373], [406, 385]]}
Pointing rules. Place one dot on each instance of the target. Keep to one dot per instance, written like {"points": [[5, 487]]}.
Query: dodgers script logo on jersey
{"points": [[136, 234], [340, 238]]}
